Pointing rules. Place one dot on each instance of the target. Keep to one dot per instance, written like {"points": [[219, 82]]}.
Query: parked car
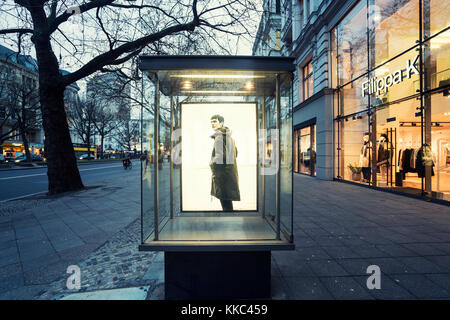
{"points": [[23, 158], [2, 158], [9, 157], [86, 157]]}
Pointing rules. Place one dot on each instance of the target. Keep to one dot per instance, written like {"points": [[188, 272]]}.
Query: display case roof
{"points": [[209, 62]]}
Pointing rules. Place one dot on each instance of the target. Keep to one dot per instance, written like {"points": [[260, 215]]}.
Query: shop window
{"points": [[436, 156], [438, 63], [351, 97], [352, 44], [355, 149], [307, 81], [305, 150], [393, 28], [394, 80], [435, 16]]}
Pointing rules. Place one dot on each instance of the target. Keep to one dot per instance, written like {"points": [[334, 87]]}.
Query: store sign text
{"points": [[374, 85]]}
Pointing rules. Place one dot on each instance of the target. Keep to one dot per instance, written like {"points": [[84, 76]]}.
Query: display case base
{"points": [[217, 275]]}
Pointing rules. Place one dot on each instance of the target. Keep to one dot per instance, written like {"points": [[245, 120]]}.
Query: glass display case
{"points": [[216, 142]]}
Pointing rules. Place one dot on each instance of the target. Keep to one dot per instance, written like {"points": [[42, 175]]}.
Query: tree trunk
{"points": [[88, 138], [102, 140], [25, 144], [63, 174]]}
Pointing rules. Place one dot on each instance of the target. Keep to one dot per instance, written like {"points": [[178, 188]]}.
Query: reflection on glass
{"points": [[438, 65], [435, 16], [393, 28], [352, 44]]}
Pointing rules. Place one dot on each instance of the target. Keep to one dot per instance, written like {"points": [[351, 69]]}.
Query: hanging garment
{"points": [[424, 159], [364, 155]]}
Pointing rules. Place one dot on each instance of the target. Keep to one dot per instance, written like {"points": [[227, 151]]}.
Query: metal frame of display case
{"points": [[274, 65]]}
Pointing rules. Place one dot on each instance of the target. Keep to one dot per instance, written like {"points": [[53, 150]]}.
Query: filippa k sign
{"points": [[376, 85]]}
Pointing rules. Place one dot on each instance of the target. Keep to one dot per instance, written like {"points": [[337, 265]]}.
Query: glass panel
{"points": [[305, 150], [147, 165], [435, 16], [437, 61], [229, 90], [398, 138], [394, 28], [355, 150], [438, 162], [270, 165], [313, 150], [352, 44], [295, 150], [333, 57], [286, 154], [163, 163], [352, 99]]}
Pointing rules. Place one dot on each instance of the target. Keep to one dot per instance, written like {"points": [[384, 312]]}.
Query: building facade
{"points": [[19, 85], [371, 92]]}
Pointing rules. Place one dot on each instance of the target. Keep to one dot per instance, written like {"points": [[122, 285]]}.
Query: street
{"points": [[20, 183]]}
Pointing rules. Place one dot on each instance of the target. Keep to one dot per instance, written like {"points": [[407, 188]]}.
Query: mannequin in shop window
{"points": [[383, 156], [364, 162]]}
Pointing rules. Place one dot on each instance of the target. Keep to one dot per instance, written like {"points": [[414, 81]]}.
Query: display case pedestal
{"points": [[217, 275]]}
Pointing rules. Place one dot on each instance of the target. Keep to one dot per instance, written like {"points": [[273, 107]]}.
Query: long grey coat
{"points": [[225, 179]]}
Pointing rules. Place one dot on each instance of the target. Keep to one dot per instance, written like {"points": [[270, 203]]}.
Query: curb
{"points": [[45, 166]]}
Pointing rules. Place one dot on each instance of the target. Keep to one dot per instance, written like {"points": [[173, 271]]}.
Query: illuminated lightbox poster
{"points": [[219, 157]]}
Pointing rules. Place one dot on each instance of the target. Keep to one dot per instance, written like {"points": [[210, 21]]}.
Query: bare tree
{"points": [[20, 108], [81, 118], [105, 123], [127, 132], [124, 29]]}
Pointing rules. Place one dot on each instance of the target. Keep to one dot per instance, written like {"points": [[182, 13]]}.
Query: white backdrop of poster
{"points": [[197, 146]]}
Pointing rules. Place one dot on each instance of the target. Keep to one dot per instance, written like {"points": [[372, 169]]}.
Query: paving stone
{"points": [[442, 261], [396, 250], [307, 288], [11, 282], [442, 280], [278, 288], [291, 266], [341, 252], [345, 288], [369, 251], [421, 265], [389, 289], [392, 265], [327, 268], [420, 286], [355, 267], [311, 253]]}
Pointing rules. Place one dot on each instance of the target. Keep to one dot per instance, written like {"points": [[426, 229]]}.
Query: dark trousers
{"points": [[227, 205], [366, 173]]}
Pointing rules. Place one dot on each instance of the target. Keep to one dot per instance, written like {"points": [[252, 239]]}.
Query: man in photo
{"points": [[225, 179]]}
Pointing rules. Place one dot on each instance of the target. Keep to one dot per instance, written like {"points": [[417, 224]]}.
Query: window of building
{"points": [[395, 135], [307, 81]]}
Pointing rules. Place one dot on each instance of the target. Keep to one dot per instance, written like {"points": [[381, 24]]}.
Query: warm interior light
{"points": [[249, 85], [186, 85], [217, 76]]}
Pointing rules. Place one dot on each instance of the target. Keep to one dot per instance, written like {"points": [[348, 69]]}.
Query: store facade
{"points": [[390, 68]]}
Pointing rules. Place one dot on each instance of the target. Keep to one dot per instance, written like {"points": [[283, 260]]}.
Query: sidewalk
{"points": [[41, 237], [339, 230]]}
